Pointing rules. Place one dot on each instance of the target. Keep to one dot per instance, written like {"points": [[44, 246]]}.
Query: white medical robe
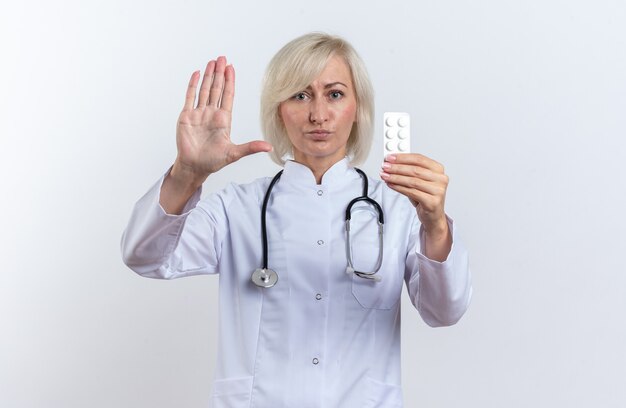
{"points": [[319, 337]]}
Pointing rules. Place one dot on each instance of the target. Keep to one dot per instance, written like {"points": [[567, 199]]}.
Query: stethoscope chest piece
{"points": [[264, 277]]}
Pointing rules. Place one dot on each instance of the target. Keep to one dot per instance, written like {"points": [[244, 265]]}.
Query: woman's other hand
{"points": [[425, 183]]}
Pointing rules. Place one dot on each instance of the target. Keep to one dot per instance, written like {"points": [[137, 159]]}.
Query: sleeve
{"points": [[164, 246], [440, 291]]}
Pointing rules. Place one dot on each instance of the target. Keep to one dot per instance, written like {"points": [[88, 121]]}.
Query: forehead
{"points": [[336, 70]]}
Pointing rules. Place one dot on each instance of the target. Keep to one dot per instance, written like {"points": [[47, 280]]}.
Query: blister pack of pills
{"points": [[397, 137]]}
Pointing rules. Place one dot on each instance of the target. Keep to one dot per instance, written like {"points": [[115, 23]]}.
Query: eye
{"points": [[335, 94], [300, 96]]}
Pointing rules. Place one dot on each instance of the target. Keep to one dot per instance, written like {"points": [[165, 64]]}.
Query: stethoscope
{"points": [[265, 277]]}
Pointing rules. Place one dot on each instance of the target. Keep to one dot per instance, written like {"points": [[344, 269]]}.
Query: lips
{"points": [[319, 134]]}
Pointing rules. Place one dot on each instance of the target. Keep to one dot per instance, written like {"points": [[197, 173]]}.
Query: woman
{"points": [[317, 337]]}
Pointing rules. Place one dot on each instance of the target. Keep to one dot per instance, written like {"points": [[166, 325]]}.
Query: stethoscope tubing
{"points": [[266, 199], [266, 278]]}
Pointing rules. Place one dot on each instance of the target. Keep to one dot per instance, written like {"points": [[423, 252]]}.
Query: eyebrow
{"points": [[332, 84]]}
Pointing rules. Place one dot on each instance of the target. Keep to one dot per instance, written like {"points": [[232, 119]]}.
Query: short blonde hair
{"points": [[292, 69]]}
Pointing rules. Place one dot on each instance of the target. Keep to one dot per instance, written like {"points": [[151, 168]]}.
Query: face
{"points": [[319, 119]]}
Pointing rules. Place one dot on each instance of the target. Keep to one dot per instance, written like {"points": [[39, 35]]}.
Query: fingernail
{"points": [[390, 157], [384, 175], [386, 165]]}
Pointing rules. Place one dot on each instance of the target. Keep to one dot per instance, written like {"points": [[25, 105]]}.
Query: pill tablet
{"points": [[397, 133]]}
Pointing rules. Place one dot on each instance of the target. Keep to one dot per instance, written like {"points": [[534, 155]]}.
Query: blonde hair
{"points": [[292, 69]]}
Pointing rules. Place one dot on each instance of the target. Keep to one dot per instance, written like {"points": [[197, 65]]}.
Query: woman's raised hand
{"points": [[203, 135], [203, 129]]}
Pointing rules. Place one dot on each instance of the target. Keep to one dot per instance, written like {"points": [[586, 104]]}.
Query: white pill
{"points": [[391, 133], [397, 132]]}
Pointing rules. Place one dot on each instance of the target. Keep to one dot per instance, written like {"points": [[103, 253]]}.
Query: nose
{"points": [[318, 113]]}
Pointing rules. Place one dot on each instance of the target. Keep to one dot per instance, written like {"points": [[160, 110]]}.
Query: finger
{"points": [[411, 171], [413, 178], [414, 195], [215, 93], [429, 187], [203, 97], [427, 201], [190, 96], [236, 152], [229, 88], [415, 159]]}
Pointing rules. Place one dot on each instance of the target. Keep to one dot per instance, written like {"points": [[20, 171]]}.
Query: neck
{"points": [[318, 166]]}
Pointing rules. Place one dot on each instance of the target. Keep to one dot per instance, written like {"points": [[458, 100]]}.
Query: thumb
{"points": [[246, 149]]}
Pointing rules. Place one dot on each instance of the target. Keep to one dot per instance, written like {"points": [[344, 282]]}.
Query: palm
{"points": [[203, 129], [203, 138]]}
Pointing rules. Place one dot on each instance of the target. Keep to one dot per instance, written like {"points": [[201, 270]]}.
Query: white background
{"points": [[523, 101]]}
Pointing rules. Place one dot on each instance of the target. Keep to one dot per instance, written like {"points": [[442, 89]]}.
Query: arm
{"points": [[440, 291], [437, 275], [154, 243], [424, 182], [203, 135], [164, 238]]}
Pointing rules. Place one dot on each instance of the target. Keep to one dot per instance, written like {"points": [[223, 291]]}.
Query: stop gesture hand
{"points": [[203, 135], [425, 183], [203, 129]]}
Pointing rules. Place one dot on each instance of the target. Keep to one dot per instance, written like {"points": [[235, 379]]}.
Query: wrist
{"points": [[185, 177], [436, 240], [436, 229]]}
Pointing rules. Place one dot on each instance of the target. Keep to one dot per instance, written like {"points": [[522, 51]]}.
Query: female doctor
{"points": [[307, 318]]}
